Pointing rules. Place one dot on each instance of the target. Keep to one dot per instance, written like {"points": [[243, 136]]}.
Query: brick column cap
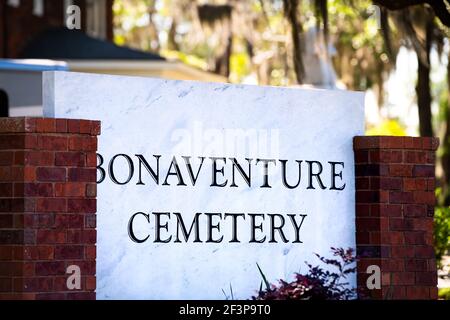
{"points": [[49, 125], [400, 142]]}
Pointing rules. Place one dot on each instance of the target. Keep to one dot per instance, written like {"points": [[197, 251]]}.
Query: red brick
{"points": [[39, 221], [33, 189], [89, 143], [413, 184], [412, 143], [95, 128], [90, 221], [69, 221], [10, 269], [41, 284], [366, 170], [11, 142], [385, 156], [6, 190], [70, 159], [366, 142], [11, 125], [69, 252], [415, 237], [81, 296], [401, 197], [82, 174], [51, 236], [415, 210], [401, 224], [29, 174], [434, 293], [416, 157], [363, 238], [91, 190], [418, 293], [73, 126], [424, 197], [431, 157], [51, 296], [60, 283], [423, 224], [70, 189], [6, 285], [6, 158], [28, 269], [430, 143], [424, 252], [392, 142], [385, 183], [53, 143], [81, 236], [50, 268], [393, 265], [392, 237], [82, 205], [386, 210], [362, 183], [34, 158], [6, 252], [85, 126], [400, 170], [361, 156], [416, 264], [402, 251], [403, 278], [61, 125], [431, 184], [83, 143], [90, 252], [91, 159], [423, 171], [51, 205], [91, 283], [45, 125], [362, 210], [51, 174], [6, 221]]}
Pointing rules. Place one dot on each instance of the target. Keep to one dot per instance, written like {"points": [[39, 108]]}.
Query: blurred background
{"points": [[397, 52]]}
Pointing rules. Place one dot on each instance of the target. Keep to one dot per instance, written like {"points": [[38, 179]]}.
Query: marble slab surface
{"points": [[169, 118]]}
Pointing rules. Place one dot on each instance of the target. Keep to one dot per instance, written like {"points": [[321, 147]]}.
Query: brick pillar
{"points": [[47, 207], [395, 200]]}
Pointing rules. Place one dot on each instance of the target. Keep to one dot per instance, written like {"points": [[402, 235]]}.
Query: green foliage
{"points": [[444, 293], [441, 231]]}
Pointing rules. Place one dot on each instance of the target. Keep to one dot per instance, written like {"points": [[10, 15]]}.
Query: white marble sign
{"points": [[202, 181]]}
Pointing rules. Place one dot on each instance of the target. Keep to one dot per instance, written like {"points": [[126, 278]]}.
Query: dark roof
{"points": [[65, 44]]}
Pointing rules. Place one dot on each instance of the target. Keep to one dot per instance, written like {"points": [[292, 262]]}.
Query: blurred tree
{"points": [[263, 41]]}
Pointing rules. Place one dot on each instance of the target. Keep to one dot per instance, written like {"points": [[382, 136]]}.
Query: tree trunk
{"points": [[423, 87], [171, 41], [223, 62], [290, 9], [445, 160], [153, 31]]}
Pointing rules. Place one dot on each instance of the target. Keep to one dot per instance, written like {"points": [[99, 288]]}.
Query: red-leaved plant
{"points": [[318, 283]]}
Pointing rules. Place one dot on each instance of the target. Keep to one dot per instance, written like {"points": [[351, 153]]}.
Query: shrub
{"points": [[441, 232], [318, 283]]}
